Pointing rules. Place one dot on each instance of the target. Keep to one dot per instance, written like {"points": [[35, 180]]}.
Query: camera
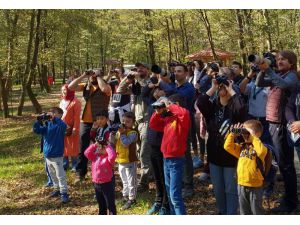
{"points": [[268, 56], [239, 131], [154, 80], [213, 66], [159, 105], [255, 68], [101, 140], [121, 126], [131, 76], [44, 117], [89, 72], [222, 80]]}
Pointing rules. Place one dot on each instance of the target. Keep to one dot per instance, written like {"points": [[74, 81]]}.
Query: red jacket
{"points": [[175, 128]]}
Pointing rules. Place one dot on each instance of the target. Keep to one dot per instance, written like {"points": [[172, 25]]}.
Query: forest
{"points": [[37, 43]]}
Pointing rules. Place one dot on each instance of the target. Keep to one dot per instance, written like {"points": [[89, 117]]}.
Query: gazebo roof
{"points": [[112, 62], [206, 54]]}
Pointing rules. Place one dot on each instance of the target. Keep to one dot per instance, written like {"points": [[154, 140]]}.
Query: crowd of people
{"points": [[240, 128]]}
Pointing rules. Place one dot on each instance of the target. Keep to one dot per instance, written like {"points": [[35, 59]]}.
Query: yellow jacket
{"points": [[126, 153], [247, 172]]}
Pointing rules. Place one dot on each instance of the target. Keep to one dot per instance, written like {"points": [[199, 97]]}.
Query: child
{"points": [[250, 179], [103, 158], [174, 121], [126, 138], [53, 130], [100, 126]]}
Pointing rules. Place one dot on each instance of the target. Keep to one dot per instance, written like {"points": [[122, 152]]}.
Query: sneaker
{"points": [[55, 194], [283, 208], [125, 199], [64, 198], [142, 188], [49, 184], [197, 162], [154, 209], [128, 204], [203, 177], [187, 193], [164, 211], [73, 170]]}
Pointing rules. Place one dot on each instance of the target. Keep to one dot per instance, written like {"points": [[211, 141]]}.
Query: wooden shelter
{"points": [[206, 55]]}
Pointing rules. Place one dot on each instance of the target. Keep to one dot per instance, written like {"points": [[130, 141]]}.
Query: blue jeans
{"points": [[173, 170], [73, 160], [225, 188]]}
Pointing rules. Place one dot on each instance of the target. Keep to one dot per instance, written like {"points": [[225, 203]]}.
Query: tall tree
{"points": [[241, 40], [149, 36], [205, 20]]}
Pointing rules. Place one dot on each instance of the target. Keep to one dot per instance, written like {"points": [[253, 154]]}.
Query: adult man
{"points": [[237, 70], [96, 93], [142, 119], [187, 90]]}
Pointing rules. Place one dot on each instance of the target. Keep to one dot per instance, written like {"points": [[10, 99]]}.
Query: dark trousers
{"points": [[105, 195], [85, 129], [286, 163], [188, 166], [157, 164]]}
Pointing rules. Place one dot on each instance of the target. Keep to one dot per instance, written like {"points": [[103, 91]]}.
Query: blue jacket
{"points": [[53, 134]]}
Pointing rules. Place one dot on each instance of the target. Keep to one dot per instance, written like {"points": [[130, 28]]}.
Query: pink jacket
{"points": [[102, 165]]}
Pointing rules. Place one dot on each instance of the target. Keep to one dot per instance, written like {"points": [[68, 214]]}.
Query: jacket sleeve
{"points": [[90, 152], [123, 87], [205, 106], [262, 81], [39, 128], [111, 155], [290, 79], [231, 147], [129, 139], [260, 149], [156, 122]]}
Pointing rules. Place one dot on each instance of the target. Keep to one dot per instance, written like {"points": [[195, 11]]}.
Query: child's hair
{"points": [[103, 112], [129, 115], [178, 98], [255, 125], [57, 110]]}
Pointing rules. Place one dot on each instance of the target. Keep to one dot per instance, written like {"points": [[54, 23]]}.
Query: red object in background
{"points": [[50, 80]]}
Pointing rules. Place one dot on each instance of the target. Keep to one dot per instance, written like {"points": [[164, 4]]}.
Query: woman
{"points": [[227, 106], [72, 109]]}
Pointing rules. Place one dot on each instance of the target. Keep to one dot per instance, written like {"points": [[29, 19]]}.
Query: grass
{"points": [[22, 176]]}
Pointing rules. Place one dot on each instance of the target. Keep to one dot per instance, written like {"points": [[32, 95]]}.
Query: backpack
{"points": [[271, 161]]}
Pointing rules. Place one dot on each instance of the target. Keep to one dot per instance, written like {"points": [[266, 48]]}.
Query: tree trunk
{"points": [[65, 56], [40, 78], [176, 47], [35, 103], [27, 65], [204, 18], [149, 28], [11, 21], [248, 28], [265, 13], [241, 41], [169, 40], [53, 71]]}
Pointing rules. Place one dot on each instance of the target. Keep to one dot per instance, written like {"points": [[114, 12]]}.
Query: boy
{"points": [[174, 121], [53, 130], [250, 178], [100, 126], [126, 138]]}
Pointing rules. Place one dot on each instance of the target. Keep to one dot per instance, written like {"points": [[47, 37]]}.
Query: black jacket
{"points": [[215, 114]]}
